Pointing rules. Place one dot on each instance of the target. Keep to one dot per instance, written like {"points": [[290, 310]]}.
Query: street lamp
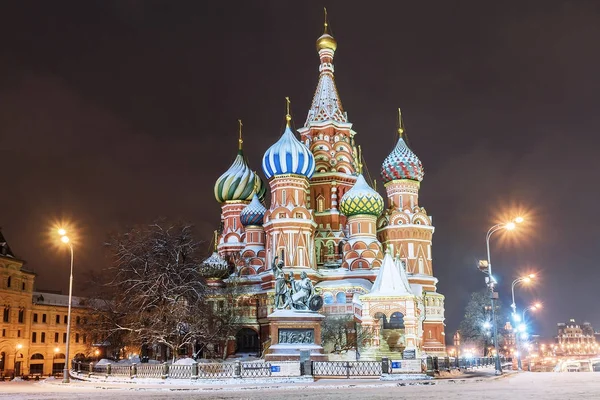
{"points": [[65, 239], [525, 279], [490, 281], [533, 307]]}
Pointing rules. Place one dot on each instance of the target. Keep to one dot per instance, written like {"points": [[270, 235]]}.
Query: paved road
{"points": [[522, 386]]}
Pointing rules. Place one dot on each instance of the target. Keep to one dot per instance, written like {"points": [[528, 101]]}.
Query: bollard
{"points": [[430, 371], [165, 371], [108, 369], [306, 367], [78, 367], [90, 369], [194, 370], [385, 365], [237, 370]]}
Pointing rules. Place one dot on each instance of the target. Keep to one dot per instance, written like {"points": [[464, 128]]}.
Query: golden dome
{"points": [[326, 41]]}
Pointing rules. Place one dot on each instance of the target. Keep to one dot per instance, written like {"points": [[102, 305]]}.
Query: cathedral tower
{"points": [[361, 205], [406, 231], [289, 224], [234, 190], [330, 138]]}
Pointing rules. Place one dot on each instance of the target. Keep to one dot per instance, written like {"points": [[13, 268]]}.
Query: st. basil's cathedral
{"points": [[367, 260]]}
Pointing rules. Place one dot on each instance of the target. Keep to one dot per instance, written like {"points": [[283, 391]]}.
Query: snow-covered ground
{"points": [[521, 386]]}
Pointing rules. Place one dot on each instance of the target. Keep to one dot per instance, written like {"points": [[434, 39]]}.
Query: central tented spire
{"points": [[326, 104]]}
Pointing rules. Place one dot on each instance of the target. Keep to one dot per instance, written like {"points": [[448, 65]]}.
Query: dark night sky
{"points": [[116, 112]]}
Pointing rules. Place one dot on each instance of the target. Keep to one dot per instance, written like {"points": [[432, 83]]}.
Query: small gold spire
{"points": [[240, 141], [288, 117], [375, 184], [360, 164], [216, 234], [326, 40], [400, 123]]}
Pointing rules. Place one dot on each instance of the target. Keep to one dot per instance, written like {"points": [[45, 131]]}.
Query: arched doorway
{"points": [[58, 363], [18, 362], [36, 364], [2, 361], [392, 332], [247, 341]]}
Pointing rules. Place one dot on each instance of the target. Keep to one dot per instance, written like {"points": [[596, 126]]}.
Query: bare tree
{"points": [[343, 333], [154, 292]]}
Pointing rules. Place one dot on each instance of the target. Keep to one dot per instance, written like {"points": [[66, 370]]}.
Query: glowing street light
{"points": [[533, 307], [511, 225], [65, 239]]}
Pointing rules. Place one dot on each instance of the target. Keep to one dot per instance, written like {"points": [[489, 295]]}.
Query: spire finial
{"points": [[288, 117], [216, 234], [400, 123], [240, 141], [360, 164], [325, 24]]}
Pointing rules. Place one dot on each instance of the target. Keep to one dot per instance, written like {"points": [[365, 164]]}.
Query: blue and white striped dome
{"points": [[288, 156], [253, 213]]}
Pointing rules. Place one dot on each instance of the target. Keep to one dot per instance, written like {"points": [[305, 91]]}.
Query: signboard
{"points": [[296, 336], [409, 354], [396, 364], [275, 368]]}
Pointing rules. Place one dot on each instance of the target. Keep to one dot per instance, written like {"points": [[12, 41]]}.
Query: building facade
{"points": [[33, 328], [325, 219], [575, 339]]}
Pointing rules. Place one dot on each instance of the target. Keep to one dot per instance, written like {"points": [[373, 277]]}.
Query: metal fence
{"points": [[176, 371], [346, 369], [238, 369], [255, 369]]}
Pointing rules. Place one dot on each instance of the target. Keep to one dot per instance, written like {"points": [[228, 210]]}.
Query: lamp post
{"points": [[65, 239], [525, 279], [490, 282]]}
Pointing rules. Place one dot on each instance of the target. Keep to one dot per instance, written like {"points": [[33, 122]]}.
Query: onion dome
{"points": [[253, 213], [288, 155], [214, 266], [361, 199], [215, 261], [326, 41], [239, 182], [402, 163]]}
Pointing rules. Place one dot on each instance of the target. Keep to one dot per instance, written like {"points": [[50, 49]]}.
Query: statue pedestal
{"points": [[293, 332]]}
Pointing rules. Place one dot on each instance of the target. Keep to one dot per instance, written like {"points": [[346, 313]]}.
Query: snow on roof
{"points": [[54, 299], [391, 280], [363, 283]]}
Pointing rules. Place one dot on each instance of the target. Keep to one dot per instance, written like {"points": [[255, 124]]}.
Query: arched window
{"points": [[396, 321], [320, 205], [78, 320], [8, 281], [37, 356], [327, 298], [340, 298]]}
